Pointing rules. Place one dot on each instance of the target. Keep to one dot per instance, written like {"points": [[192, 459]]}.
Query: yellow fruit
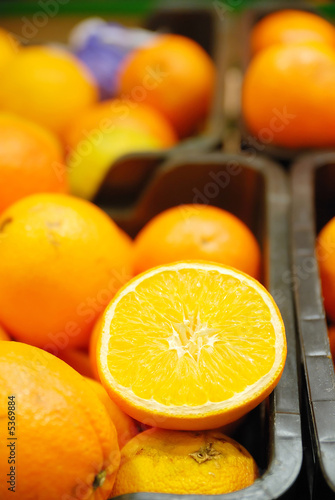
{"points": [[204, 463], [191, 346], [104, 116], [47, 85], [89, 163]]}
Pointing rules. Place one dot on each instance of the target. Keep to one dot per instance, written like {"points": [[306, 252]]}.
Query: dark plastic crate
{"points": [[313, 200], [256, 191]]}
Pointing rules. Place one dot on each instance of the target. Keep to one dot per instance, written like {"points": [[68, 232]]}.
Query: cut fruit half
{"points": [[191, 346]]}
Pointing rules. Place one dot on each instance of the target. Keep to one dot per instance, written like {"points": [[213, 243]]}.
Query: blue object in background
{"points": [[103, 46]]}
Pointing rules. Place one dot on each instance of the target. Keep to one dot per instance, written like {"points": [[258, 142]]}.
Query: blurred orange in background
{"points": [[31, 160], [288, 95], [105, 115], [48, 85], [291, 26], [173, 74]]}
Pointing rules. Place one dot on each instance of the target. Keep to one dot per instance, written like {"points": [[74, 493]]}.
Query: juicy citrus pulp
{"points": [[192, 345]]}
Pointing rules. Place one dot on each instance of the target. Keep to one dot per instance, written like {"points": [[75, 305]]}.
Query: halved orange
{"points": [[191, 346]]}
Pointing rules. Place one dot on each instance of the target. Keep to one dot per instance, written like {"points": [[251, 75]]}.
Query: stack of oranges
{"points": [[129, 356], [165, 92], [293, 69], [198, 321]]}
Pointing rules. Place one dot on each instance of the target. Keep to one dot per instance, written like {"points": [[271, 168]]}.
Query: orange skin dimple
{"points": [[65, 436], [296, 82], [291, 26], [177, 77], [197, 232]]}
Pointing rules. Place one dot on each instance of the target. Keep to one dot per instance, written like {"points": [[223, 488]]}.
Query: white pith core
{"points": [[190, 337]]}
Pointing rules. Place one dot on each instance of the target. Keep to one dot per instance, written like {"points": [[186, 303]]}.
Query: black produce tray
{"points": [[313, 199], [256, 191]]}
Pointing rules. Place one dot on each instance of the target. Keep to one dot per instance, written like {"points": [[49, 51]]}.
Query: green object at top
{"points": [[142, 7], [79, 7], [109, 7]]}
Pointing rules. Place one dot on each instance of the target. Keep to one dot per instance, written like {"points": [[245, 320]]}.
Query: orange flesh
{"points": [[207, 341]]}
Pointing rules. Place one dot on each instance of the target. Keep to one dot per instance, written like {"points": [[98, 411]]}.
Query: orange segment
{"points": [[196, 343]]}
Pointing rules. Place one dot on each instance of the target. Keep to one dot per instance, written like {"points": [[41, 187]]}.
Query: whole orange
{"points": [[47, 85], [31, 160], [107, 114], [297, 104], [179, 463], [125, 426], [289, 25], [8, 48], [61, 261], [325, 250], [197, 232], [61, 441], [175, 75]]}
